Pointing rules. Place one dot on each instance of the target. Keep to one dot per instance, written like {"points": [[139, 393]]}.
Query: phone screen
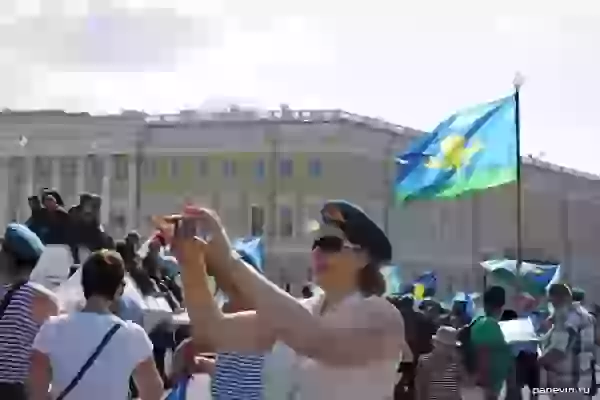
{"points": [[186, 228]]}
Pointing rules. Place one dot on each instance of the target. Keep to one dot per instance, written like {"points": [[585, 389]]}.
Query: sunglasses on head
{"points": [[333, 244]]}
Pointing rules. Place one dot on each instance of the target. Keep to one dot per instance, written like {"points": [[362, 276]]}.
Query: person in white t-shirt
{"points": [[65, 343]]}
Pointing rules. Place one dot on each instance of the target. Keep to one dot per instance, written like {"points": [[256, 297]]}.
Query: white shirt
{"points": [[311, 380], [69, 340]]}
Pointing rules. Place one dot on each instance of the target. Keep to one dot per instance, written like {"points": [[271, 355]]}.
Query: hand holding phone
{"points": [[186, 228]]}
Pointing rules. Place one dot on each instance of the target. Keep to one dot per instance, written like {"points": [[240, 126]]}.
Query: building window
{"points": [[286, 168], [229, 168], [121, 167], [174, 167], [257, 220], [68, 167], [118, 220], [202, 166], [260, 169], [286, 221], [94, 168], [149, 167], [315, 168]]}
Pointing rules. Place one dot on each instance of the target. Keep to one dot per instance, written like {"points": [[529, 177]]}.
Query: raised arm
{"points": [[242, 332], [378, 332]]}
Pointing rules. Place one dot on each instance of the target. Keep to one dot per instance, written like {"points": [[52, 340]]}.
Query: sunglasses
{"points": [[333, 244]]}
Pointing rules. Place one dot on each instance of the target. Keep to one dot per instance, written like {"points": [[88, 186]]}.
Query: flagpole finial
{"points": [[518, 80]]}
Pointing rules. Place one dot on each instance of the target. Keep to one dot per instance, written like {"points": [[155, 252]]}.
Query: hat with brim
{"points": [[358, 228], [447, 336]]}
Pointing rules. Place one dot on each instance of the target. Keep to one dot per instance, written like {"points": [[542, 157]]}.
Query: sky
{"points": [[410, 62]]}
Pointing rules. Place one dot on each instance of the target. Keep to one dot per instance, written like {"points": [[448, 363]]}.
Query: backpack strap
{"points": [[90, 361], [8, 297]]}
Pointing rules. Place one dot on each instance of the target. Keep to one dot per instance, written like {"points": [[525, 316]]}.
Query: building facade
{"points": [[268, 173]]}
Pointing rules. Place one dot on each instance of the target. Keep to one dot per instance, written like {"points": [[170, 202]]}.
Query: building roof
{"points": [[235, 113]]}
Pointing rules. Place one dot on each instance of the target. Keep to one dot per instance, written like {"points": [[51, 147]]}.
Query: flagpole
{"points": [[517, 83]]}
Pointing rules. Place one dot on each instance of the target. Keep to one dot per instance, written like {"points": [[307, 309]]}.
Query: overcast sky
{"points": [[411, 62]]}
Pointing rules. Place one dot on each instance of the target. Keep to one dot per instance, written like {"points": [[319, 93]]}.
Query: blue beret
{"points": [[358, 227], [22, 242]]}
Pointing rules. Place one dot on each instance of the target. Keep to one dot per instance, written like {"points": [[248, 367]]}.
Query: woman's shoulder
{"points": [[382, 308]]}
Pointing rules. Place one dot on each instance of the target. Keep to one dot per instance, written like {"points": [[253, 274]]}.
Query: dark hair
{"points": [[578, 296], [371, 281], [560, 290], [494, 297], [135, 271], [126, 252], [102, 274], [307, 292], [509, 315]]}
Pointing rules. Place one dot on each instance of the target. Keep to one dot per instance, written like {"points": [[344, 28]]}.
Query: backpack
{"points": [[467, 350]]}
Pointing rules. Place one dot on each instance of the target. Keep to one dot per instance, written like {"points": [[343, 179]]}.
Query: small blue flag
{"points": [[428, 282], [251, 249], [179, 391]]}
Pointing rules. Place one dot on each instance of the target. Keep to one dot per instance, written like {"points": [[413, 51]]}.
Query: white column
{"points": [[27, 189], [131, 196], [80, 178], [105, 212], [55, 177], [4, 180]]}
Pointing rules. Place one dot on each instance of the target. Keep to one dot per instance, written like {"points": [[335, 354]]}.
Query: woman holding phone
{"points": [[346, 342]]}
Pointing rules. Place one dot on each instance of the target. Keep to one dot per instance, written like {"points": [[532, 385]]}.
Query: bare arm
{"points": [[40, 376], [380, 336], [241, 331], [147, 380], [45, 304]]}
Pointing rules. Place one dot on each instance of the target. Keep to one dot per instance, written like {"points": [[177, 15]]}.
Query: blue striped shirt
{"points": [[238, 376], [17, 331]]}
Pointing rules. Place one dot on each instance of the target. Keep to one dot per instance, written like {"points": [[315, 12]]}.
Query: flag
{"points": [[474, 149], [179, 391], [393, 279], [503, 271], [537, 278], [196, 387], [251, 249], [423, 286], [532, 278]]}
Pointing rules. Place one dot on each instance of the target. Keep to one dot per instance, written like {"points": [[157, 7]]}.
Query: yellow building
{"points": [[270, 172]]}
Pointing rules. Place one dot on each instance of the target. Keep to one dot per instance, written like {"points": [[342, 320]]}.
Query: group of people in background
{"points": [[78, 227], [255, 340], [453, 351]]}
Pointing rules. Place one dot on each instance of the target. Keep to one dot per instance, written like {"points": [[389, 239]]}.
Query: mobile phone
{"points": [[186, 228]]}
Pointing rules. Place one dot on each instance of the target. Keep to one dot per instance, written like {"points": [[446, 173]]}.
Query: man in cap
{"points": [[24, 306]]}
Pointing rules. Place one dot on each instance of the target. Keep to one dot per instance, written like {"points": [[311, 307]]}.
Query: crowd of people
{"points": [[255, 340]]}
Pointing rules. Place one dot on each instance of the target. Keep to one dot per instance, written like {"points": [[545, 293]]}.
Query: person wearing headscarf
{"points": [[346, 341]]}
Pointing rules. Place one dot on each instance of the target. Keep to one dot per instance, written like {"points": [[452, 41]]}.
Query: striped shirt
{"points": [[17, 331], [573, 334], [442, 376], [237, 377]]}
